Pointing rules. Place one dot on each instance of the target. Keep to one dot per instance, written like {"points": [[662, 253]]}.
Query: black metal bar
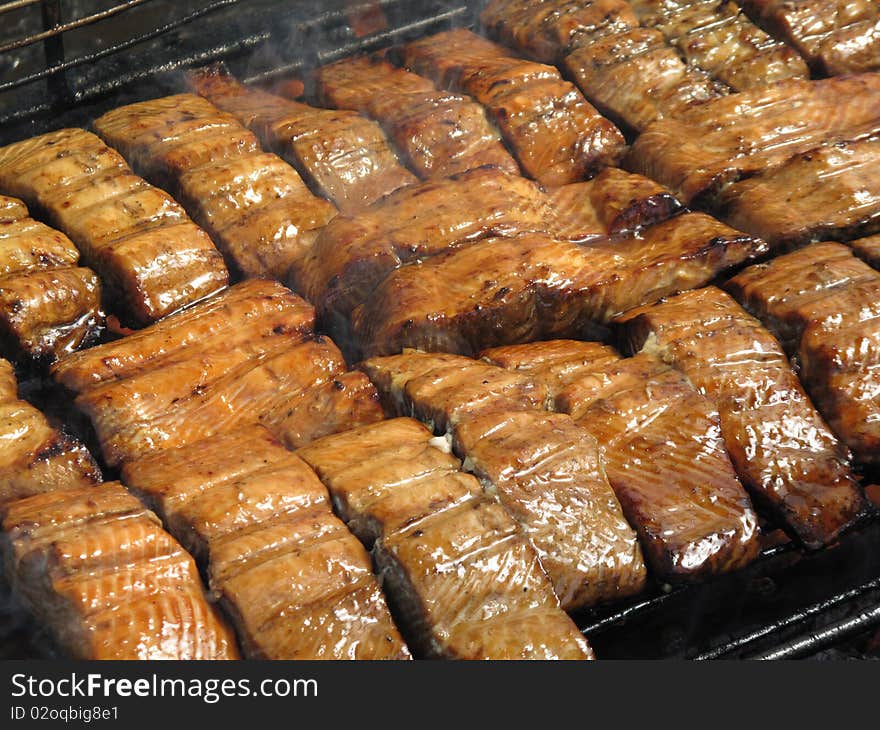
{"points": [[57, 27], [53, 45], [109, 51]]}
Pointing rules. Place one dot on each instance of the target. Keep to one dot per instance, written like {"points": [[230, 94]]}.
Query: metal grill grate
{"points": [[62, 62], [56, 54]]}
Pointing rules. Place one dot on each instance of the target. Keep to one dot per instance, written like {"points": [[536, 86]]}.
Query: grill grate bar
{"points": [[815, 639], [72, 25], [16, 4], [110, 50]]}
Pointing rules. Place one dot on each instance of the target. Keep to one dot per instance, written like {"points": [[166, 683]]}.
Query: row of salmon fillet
{"points": [[442, 204], [494, 495]]}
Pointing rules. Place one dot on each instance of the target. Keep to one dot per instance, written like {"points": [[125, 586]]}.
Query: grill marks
{"points": [[49, 306], [720, 39], [722, 141], [824, 306], [836, 36], [342, 156], [296, 582], [556, 136], [544, 469], [101, 573], [504, 291], [254, 205], [463, 579], [147, 252], [782, 449], [662, 452], [440, 133], [829, 192]]}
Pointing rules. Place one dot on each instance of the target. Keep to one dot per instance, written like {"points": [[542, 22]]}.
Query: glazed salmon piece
{"points": [[342, 155], [783, 451], [454, 563]]}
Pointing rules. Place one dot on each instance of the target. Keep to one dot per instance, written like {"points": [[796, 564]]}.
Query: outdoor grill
{"points": [[62, 63]]}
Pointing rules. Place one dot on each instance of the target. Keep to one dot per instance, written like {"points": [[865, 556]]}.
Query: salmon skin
{"points": [[782, 449], [295, 581], [462, 578]]}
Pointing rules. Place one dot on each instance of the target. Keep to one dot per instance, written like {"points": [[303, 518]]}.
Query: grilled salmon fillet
{"points": [[867, 249], [34, 456], [505, 291], [296, 582], [547, 31], [544, 468], [721, 39], [823, 304], [830, 192], [49, 306], [255, 206], [251, 309], [463, 579], [107, 580], [699, 151], [340, 154], [353, 255], [555, 134], [836, 36], [662, 450], [440, 133], [782, 449], [121, 225]]}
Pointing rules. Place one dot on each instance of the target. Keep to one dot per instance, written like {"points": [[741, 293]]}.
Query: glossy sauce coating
{"points": [[440, 133], [297, 584], [49, 306], [504, 291], [662, 450], [122, 225], [556, 136], [836, 36], [830, 192], [546, 31], [782, 449], [824, 306], [720, 39], [342, 155], [254, 205], [34, 456], [108, 582], [708, 146], [463, 579], [544, 469]]}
